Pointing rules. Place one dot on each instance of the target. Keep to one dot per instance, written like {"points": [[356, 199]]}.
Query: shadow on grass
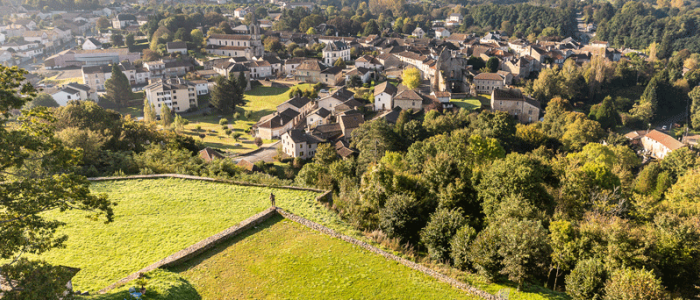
{"points": [[221, 247], [162, 285], [529, 291]]}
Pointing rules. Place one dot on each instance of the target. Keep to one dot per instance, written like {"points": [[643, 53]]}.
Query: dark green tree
{"points": [[695, 107], [117, 87], [492, 64], [436, 236], [130, 41], [227, 94], [371, 28], [606, 114], [587, 280], [402, 217]]}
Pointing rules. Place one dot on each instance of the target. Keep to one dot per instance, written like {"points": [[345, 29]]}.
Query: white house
{"points": [[442, 33], [334, 51], [297, 143], [176, 47], [455, 17], [92, 44], [201, 86], [240, 13], [418, 32], [384, 96], [659, 144], [73, 91]]}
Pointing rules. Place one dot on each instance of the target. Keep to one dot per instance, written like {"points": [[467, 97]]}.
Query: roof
{"points": [[407, 94], [665, 139], [445, 94], [94, 42], [332, 70], [230, 36], [385, 87], [335, 46], [96, 69], [343, 94], [176, 45], [170, 84], [637, 134], [489, 76], [391, 116], [352, 121], [126, 17], [508, 94], [77, 86], [311, 65], [325, 129], [248, 166], [321, 112], [298, 102], [299, 136], [209, 154]]}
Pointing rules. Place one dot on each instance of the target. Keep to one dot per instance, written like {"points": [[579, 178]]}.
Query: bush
{"points": [[298, 162], [248, 115], [402, 218], [258, 141], [437, 234], [198, 127], [459, 246], [587, 280], [236, 116], [223, 121], [634, 284], [227, 131]]}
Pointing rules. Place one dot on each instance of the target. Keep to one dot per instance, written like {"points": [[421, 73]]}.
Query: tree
{"points": [[103, 23], [117, 87], [402, 217], [411, 78], [684, 195], [226, 94], [165, 116], [605, 113], [373, 139], [587, 280], [325, 154], [42, 99], [299, 52], [460, 245], [197, 37], [117, 39], [311, 31], [130, 41], [149, 112], [695, 107], [492, 64], [32, 153], [371, 28], [183, 35], [634, 284], [242, 82], [523, 246], [339, 63], [438, 233]]}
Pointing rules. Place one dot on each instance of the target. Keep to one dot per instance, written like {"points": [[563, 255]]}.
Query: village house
{"points": [[297, 143], [350, 122], [259, 69], [384, 96], [166, 68], [659, 144], [408, 99], [455, 17], [317, 117], [418, 32], [487, 82], [512, 101], [288, 115], [91, 57], [122, 21], [228, 68], [73, 91], [235, 45], [176, 47], [92, 44], [178, 94], [368, 62], [334, 51], [336, 98], [441, 33]]}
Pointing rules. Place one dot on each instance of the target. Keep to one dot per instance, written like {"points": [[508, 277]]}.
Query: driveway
{"points": [[265, 153]]}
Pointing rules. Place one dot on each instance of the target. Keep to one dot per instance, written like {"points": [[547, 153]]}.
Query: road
{"points": [[265, 153]]}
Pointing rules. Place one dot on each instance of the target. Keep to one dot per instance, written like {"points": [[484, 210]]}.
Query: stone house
{"points": [[487, 82], [659, 144], [317, 117], [408, 99], [512, 101]]}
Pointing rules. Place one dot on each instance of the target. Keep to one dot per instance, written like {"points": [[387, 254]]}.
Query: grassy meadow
{"points": [[153, 219], [468, 104], [281, 259]]}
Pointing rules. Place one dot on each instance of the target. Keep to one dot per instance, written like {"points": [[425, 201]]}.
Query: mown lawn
{"points": [[468, 104], [261, 101], [155, 218], [281, 259]]}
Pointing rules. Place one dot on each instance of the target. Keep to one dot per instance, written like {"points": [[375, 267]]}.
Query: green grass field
{"points": [[468, 104], [281, 259], [154, 219], [261, 101]]}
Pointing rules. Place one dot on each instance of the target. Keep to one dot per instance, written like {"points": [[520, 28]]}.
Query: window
{"points": [[68, 97], [97, 81], [301, 145], [158, 104]]}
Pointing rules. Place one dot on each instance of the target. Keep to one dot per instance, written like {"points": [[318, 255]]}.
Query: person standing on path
{"points": [[272, 199]]}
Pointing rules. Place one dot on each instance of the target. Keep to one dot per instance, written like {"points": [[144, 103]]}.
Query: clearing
{"points": [[468, 104], [155, 218]]}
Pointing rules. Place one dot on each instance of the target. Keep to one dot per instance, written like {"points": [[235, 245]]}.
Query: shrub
{"points": [[634, 284], [198, 127], [258, 141], [248, 115], [236, 116], [297, 162], [587, 280], [401, 217], [459, 246], [227, 131], [442, 227], [223, 121]]}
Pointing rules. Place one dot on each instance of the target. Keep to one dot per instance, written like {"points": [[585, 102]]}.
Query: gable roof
{"points": [[352, 121], [409, 95], [176, 45], [665, 139], [488, 76], [385, 87], [94, 42], [209, 154], [299, 136], [298, 102]]}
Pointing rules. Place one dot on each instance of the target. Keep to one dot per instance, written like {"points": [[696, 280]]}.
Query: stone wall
{"points": [[198, 248], [439, 276]]}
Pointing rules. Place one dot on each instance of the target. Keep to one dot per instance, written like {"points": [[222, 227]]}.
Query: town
{"points": [[545, 150]]}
